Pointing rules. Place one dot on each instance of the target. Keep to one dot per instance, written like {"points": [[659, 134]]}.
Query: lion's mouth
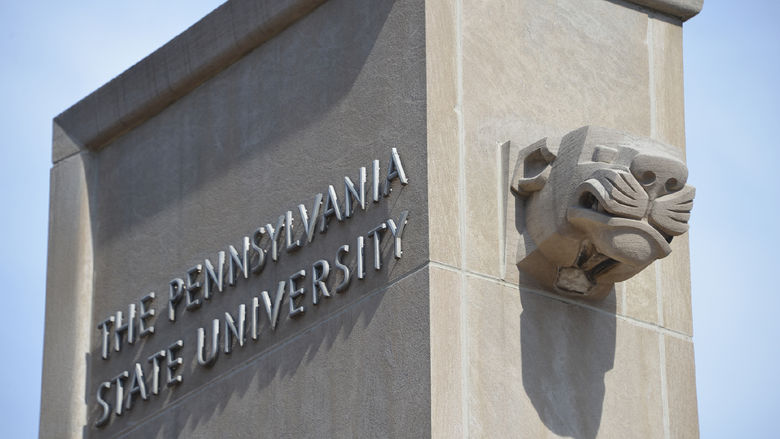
{"points": [[623, 229], [582, 276], [611, 210]]}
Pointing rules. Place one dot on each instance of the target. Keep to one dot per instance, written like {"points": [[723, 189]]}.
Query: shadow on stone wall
{"points": [[566, 351], [317, 370]]}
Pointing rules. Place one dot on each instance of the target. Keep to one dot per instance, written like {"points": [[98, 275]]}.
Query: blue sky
{"points": [[732, 104], [55, 53]]}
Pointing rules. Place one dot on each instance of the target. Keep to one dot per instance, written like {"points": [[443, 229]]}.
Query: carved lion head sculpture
{"points": [[599, 206]]}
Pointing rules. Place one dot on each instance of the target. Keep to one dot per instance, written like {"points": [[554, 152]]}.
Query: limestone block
{"points": [[549, 369], [675, 288], [681, 384], [68, 300], [444, 160], [665, 52], [447, 393], [641, 296]]}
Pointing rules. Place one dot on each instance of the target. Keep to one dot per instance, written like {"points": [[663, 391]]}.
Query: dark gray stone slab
{"points": [[297, 114]]}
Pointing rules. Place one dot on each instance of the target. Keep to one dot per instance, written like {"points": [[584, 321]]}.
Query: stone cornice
{"points": [[682, 9], [205, 49]]}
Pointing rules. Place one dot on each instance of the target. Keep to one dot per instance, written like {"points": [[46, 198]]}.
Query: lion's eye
{"points": [[604, 154]]}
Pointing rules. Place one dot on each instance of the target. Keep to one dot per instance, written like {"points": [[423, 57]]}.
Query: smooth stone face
{"points": [[257, 140], [447, 354], [549, 368]]}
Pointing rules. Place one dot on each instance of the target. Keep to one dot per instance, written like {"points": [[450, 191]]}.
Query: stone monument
{"points": [[391, 218]]}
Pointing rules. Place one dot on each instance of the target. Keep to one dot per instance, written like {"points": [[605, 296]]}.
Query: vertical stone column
{"points": [[68, 293], [507, 355]]}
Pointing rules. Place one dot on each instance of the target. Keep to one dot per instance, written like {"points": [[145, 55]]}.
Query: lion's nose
{"points": [[659, 175]]}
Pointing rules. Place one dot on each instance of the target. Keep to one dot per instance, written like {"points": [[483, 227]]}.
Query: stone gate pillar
{"points": [[391, 218]]}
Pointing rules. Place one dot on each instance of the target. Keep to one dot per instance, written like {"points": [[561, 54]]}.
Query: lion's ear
{"points": [[533, 167]]}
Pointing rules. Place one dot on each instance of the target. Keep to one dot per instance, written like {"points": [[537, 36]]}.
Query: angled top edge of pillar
{"points": [[682, 9], [197, 54]]}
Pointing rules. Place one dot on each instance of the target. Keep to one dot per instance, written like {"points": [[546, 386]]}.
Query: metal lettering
{"points": [[146, 314], [344, 249], [319, 274], [350, 193], [104, 415], [274, 234], [238, 263], [192, 287], [375, 181], [289, 233], [256, 238], [173, 363], [235, 332], [175, 293], [121, 328], [255, 310], [331, 209], [376, 232], [105, 327], [155, 360], [295, 292], [209, 359], [394, 170], [398, 231], [214, 277], [137, 386], [361, 254], [120, 391], [309, 224], [273, 310]]}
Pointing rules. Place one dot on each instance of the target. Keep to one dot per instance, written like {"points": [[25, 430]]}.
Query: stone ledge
{"points": [[205, 49], [682, 9]]}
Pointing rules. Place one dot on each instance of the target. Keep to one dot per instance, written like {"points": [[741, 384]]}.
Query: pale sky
{"points": [[52, 54]]}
